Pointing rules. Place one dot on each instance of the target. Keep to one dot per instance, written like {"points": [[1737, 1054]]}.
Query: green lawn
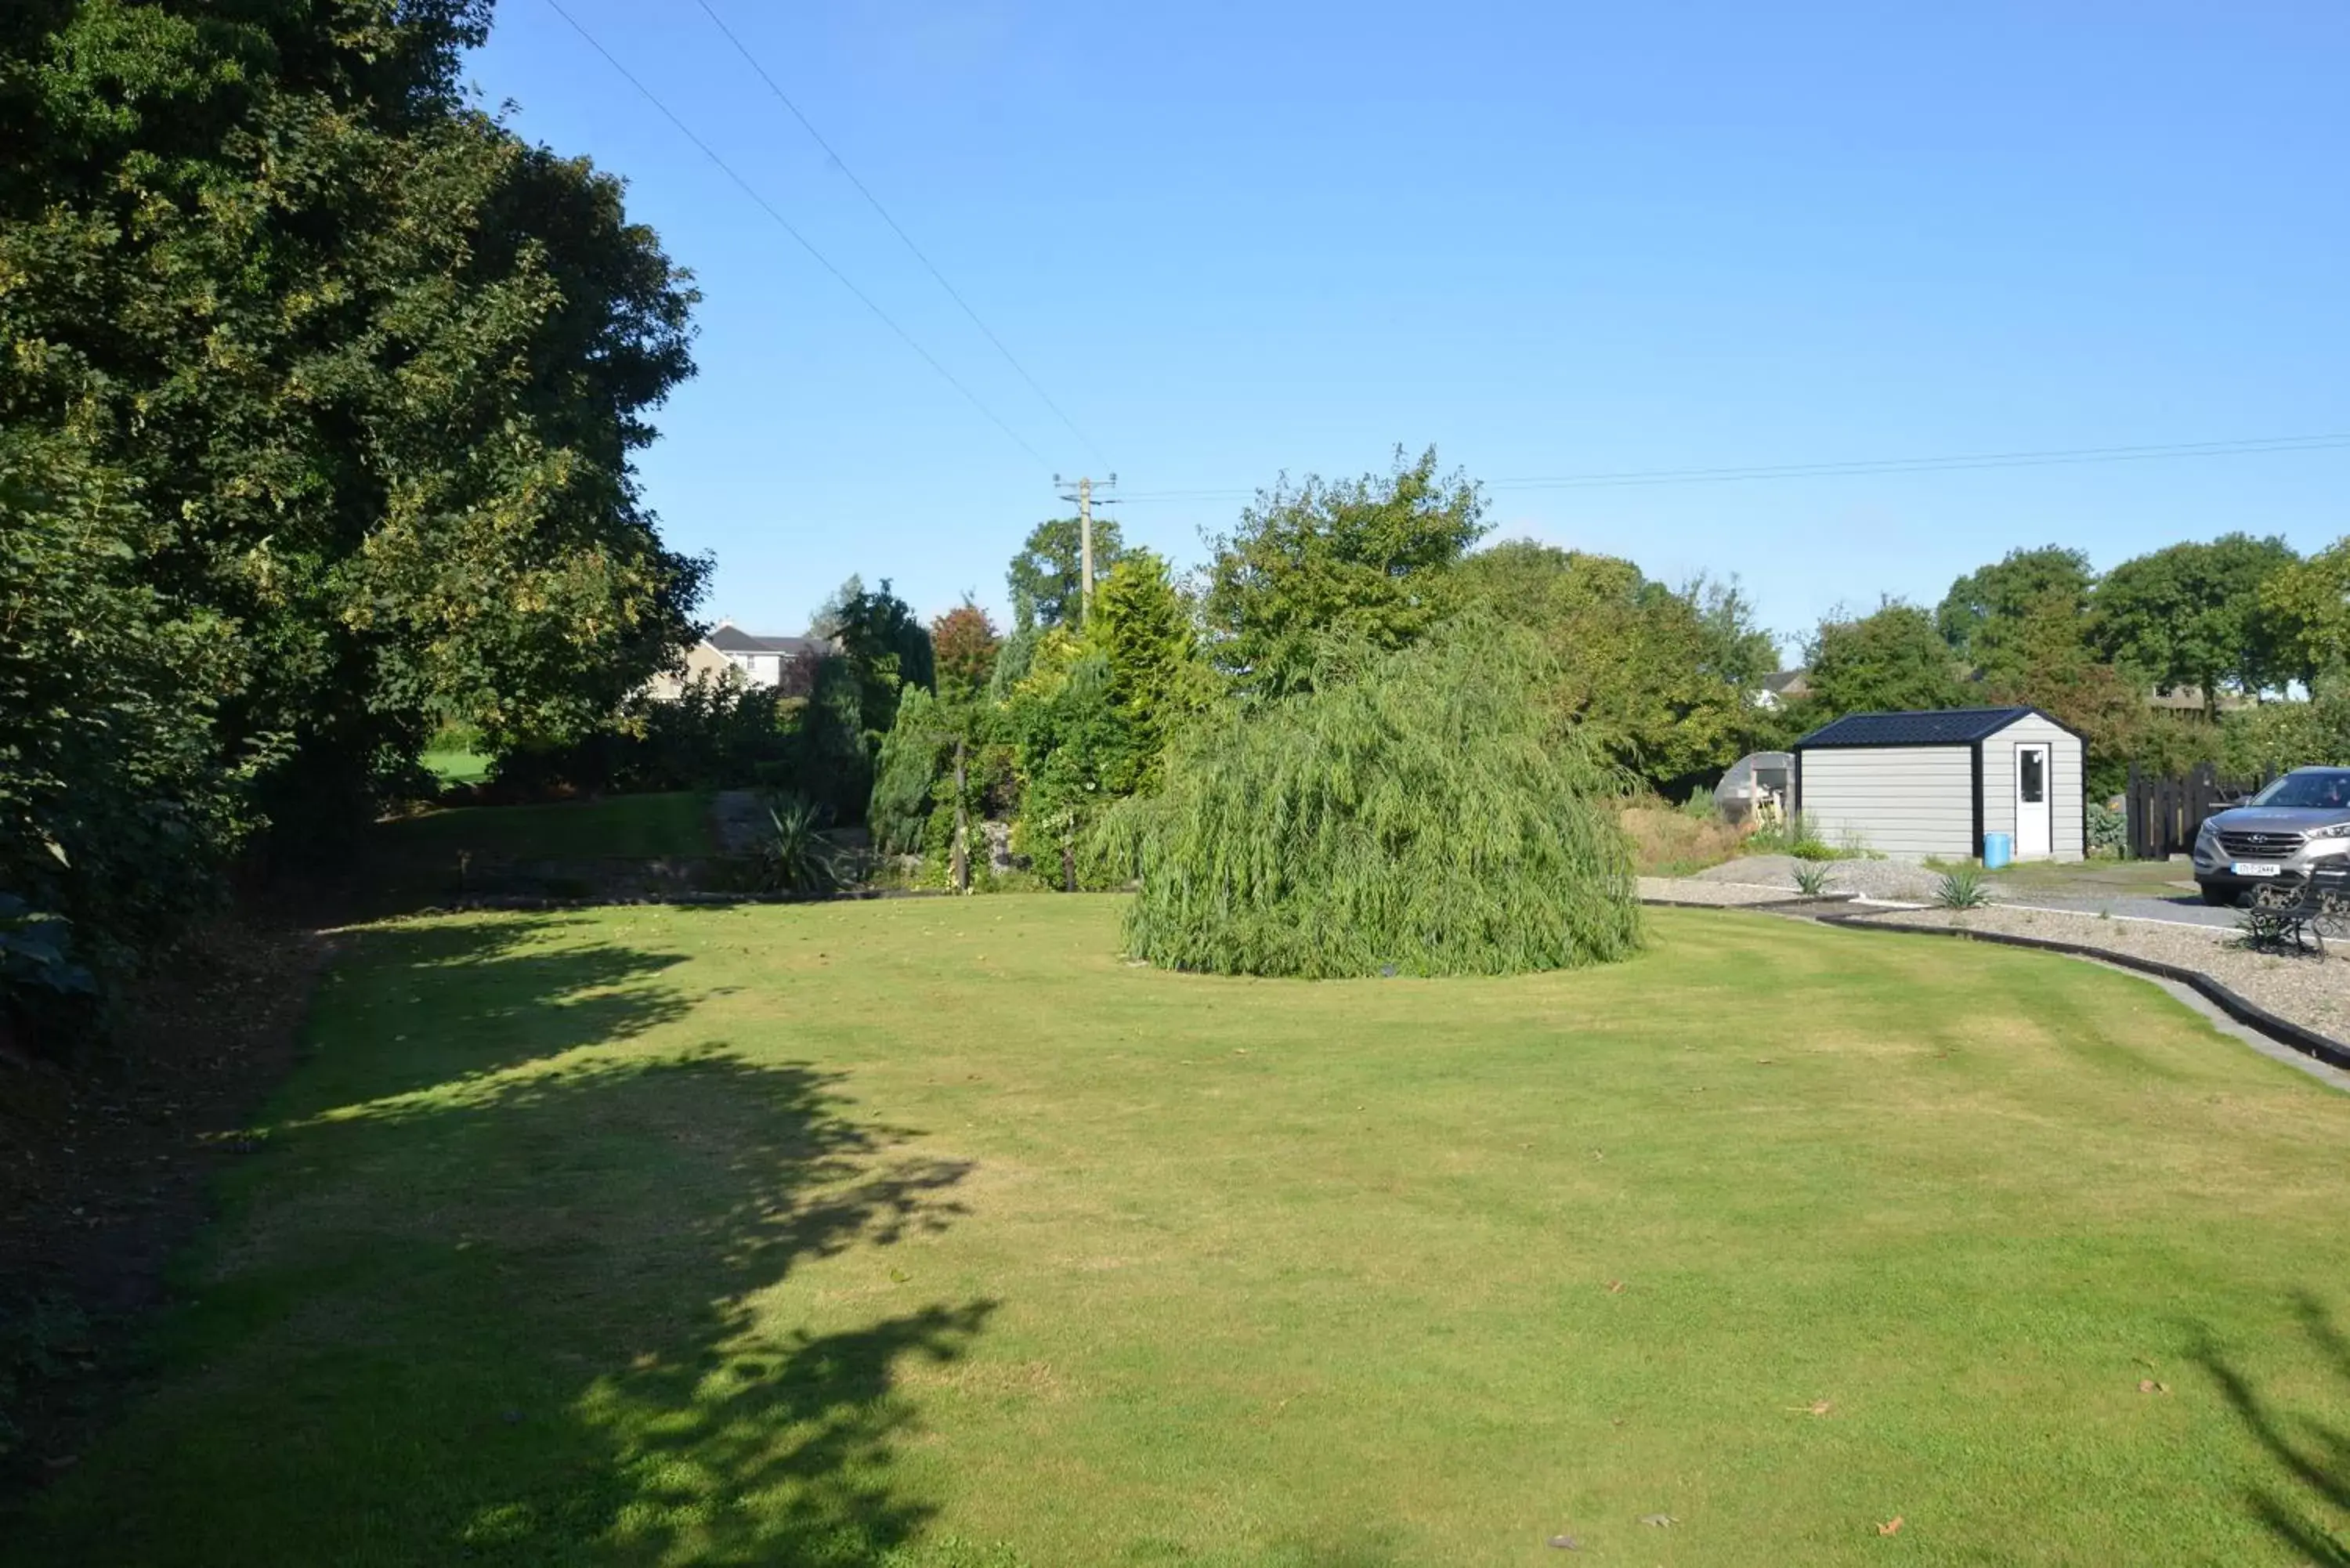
{"points": [[927, 1231], [456, 766], [619, 826]]}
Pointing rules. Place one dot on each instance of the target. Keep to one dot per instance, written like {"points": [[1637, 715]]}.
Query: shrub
{"points": [[1676, 842], [1810, 881], [2108, 830], [906, 776], [716, 734], [1796, 837], [1962, 887], [795, 858], [1429, 817]]}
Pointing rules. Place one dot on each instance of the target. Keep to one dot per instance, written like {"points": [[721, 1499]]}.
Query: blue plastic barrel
{"points": [[1999, 848]]}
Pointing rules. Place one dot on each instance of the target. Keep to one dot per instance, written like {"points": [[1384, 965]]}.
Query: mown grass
{"points": [[456, 765], [927, 1231]]}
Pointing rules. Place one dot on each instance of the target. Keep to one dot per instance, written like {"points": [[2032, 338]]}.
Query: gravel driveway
{"points": [[1893, 880]]}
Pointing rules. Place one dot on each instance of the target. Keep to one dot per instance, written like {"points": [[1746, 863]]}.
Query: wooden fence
{"points": [[2164, 813]]}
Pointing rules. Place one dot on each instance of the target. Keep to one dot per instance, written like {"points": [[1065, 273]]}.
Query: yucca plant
{"points": [[1810, 881], [795, 857], [1427, 815], [1962, 887]]}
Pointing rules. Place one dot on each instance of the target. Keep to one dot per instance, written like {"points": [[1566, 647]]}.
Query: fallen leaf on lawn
{"points": [[2148, 1385], [1615, 1287], [1565, 1542], [1762, 1060], [1816, 1408], [1890, 1527], [1658, 1519]]}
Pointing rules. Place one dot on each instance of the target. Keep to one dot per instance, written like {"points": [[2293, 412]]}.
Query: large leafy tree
{"points": [[1737, 649], [2191, 616], [381, 363], [2040, 655], [2306, 608], [1640, 666], [116, 801], [2020, 581], [1047, 577], [1363, 562], [1893, 659]]}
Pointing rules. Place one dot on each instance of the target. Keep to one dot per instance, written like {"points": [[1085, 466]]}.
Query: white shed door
{"points": [[2032, 803]]}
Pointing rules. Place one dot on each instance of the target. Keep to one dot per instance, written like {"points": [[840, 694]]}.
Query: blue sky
{"points": [[1230, 238]]}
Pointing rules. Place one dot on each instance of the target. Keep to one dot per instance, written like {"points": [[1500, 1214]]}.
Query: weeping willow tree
{"points": [[1425, 814]]}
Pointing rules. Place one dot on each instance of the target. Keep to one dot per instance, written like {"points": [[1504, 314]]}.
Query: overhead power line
{"points": [[785, 224], [1858, 467], [896, 228], [1934, 464]]}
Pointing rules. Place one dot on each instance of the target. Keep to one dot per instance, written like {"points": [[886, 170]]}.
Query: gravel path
{"points": [[738, 820], [1896, 881], [2311, 992], [1709, 894], [1891, 879]]}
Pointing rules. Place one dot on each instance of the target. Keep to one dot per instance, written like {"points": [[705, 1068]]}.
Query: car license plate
{"points": [[2257, 868]]}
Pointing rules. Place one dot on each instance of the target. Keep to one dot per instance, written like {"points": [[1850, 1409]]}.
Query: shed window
{"points": [[2035, 785]]}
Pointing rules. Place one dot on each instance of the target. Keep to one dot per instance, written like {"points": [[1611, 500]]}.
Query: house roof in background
{"points": [[1933, 727], [2189, 699], [1780, 682], [728, 638]]}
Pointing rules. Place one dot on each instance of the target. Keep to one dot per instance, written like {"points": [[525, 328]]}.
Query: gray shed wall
{"points": [[1907, 801], [2067, 797]]}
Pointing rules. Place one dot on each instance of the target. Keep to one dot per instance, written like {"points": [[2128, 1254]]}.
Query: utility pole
{"points": [[1084, 496]]}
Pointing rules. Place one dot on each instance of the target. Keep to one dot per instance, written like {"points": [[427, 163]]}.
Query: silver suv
{"points": [[2296, 828]]}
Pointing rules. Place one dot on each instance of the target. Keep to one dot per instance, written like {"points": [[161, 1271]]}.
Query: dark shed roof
{"points": [[1940, 727]]}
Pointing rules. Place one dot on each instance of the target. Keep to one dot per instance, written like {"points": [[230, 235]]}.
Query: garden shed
{"points": [[1914, 785]]}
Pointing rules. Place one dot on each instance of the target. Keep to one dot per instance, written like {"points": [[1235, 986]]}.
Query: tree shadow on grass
{"points": [[543, 1308], [2311, 1457], [460, 999]]}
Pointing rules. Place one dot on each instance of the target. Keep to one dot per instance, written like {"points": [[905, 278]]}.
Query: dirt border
{"points": [[110, 1170]]}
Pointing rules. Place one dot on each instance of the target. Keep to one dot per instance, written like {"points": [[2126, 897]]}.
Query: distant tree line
{"points": [[2257, 635], [1053, 723]]}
